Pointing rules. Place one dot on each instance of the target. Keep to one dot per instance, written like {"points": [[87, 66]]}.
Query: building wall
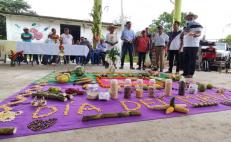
{"points": [[41, 27]]}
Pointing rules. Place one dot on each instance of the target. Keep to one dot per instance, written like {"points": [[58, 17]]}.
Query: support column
{"points": [[177, 10]]}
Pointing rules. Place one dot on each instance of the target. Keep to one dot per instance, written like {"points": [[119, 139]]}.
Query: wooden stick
{"points": [[52, 96], [111, 115]]}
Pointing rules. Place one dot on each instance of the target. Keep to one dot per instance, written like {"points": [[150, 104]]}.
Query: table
{"points": [[51, 49]]}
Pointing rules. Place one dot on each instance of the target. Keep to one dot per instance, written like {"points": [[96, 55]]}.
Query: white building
{"points": [[41, 26]]}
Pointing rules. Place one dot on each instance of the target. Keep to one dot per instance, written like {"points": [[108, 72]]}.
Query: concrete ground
{"points": [[211, 127]]}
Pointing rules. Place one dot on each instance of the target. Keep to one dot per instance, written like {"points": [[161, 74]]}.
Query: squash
{"points": [[63, 78], [169, 110], [181, 109]]}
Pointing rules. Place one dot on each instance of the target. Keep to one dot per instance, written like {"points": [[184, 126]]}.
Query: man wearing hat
{"points": [[191, 43], [160, 41], [111, 38]]}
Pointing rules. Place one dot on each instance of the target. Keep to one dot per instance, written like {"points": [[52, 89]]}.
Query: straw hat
{"points": [[190, 14], [111, 26]]}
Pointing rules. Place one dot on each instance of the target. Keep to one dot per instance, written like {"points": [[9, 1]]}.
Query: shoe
{"points": [[132, 68], [138, 68], [143, 68], [121, 68]]}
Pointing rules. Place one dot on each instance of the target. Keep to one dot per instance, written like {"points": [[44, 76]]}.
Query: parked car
{"points": [[223, 51]]}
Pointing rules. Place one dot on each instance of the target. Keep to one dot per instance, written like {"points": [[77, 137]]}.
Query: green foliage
{"points": [[113, 54], [96, 15], [16, 6], [12, 6], [166, 20], [228, 39]]}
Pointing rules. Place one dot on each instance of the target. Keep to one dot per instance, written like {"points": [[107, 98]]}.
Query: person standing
{"points": [[89, 45], [53, 38], [160, 41], [142, 44], [191, 43], [27, 37], [128, 38], [78, 59], [67, 39], [173, 47], [111, 38]]}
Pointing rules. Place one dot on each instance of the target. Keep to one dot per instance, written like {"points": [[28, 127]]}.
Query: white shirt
{"points": [[160, 40], [111, 38], [67, 39], [190, 41], [175, 44]]}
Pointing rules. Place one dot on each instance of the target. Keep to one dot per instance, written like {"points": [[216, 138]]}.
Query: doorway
{"points": [[75, 31]]}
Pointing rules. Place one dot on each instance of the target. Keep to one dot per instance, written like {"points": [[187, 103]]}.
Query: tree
{"points": [[15, 6], [96, 27], [228, 39], [166, 20], [12, 6]]}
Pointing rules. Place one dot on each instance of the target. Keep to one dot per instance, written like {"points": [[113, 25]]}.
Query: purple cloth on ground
{"points": [[73, 120]]}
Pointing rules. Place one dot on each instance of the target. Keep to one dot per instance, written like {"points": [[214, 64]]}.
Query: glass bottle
{"points": [[151, 88], [114, 89], [168, 87], [139, 88], [182, 85], [127, 89]]}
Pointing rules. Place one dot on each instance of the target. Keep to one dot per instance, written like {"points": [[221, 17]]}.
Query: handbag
{"points": [[147, 62]]}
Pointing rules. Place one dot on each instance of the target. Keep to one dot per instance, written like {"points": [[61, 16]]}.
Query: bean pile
{"points": [[39, 125]]}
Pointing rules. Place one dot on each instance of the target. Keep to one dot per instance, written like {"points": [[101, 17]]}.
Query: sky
{"points": [[214, 15]]}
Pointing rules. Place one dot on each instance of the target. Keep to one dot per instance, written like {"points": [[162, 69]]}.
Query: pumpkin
{"points": [[63, 78]]}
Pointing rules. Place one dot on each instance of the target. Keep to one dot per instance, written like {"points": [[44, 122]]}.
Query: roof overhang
{"points": [[5, 14]]}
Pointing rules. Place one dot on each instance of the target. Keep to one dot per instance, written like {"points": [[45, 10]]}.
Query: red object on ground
{"points": [[209, 53]]}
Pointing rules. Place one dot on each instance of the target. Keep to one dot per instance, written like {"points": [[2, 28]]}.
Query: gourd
{"points": [[79, 71], [63, 78]]}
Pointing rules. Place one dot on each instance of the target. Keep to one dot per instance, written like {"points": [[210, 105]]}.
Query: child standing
{"points": [[142, 44]]}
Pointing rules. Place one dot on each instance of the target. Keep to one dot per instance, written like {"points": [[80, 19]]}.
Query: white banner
{"points": [[51, 49]]}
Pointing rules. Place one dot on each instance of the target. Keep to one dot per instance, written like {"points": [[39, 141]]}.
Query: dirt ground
{"points": [[210, 127]]}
